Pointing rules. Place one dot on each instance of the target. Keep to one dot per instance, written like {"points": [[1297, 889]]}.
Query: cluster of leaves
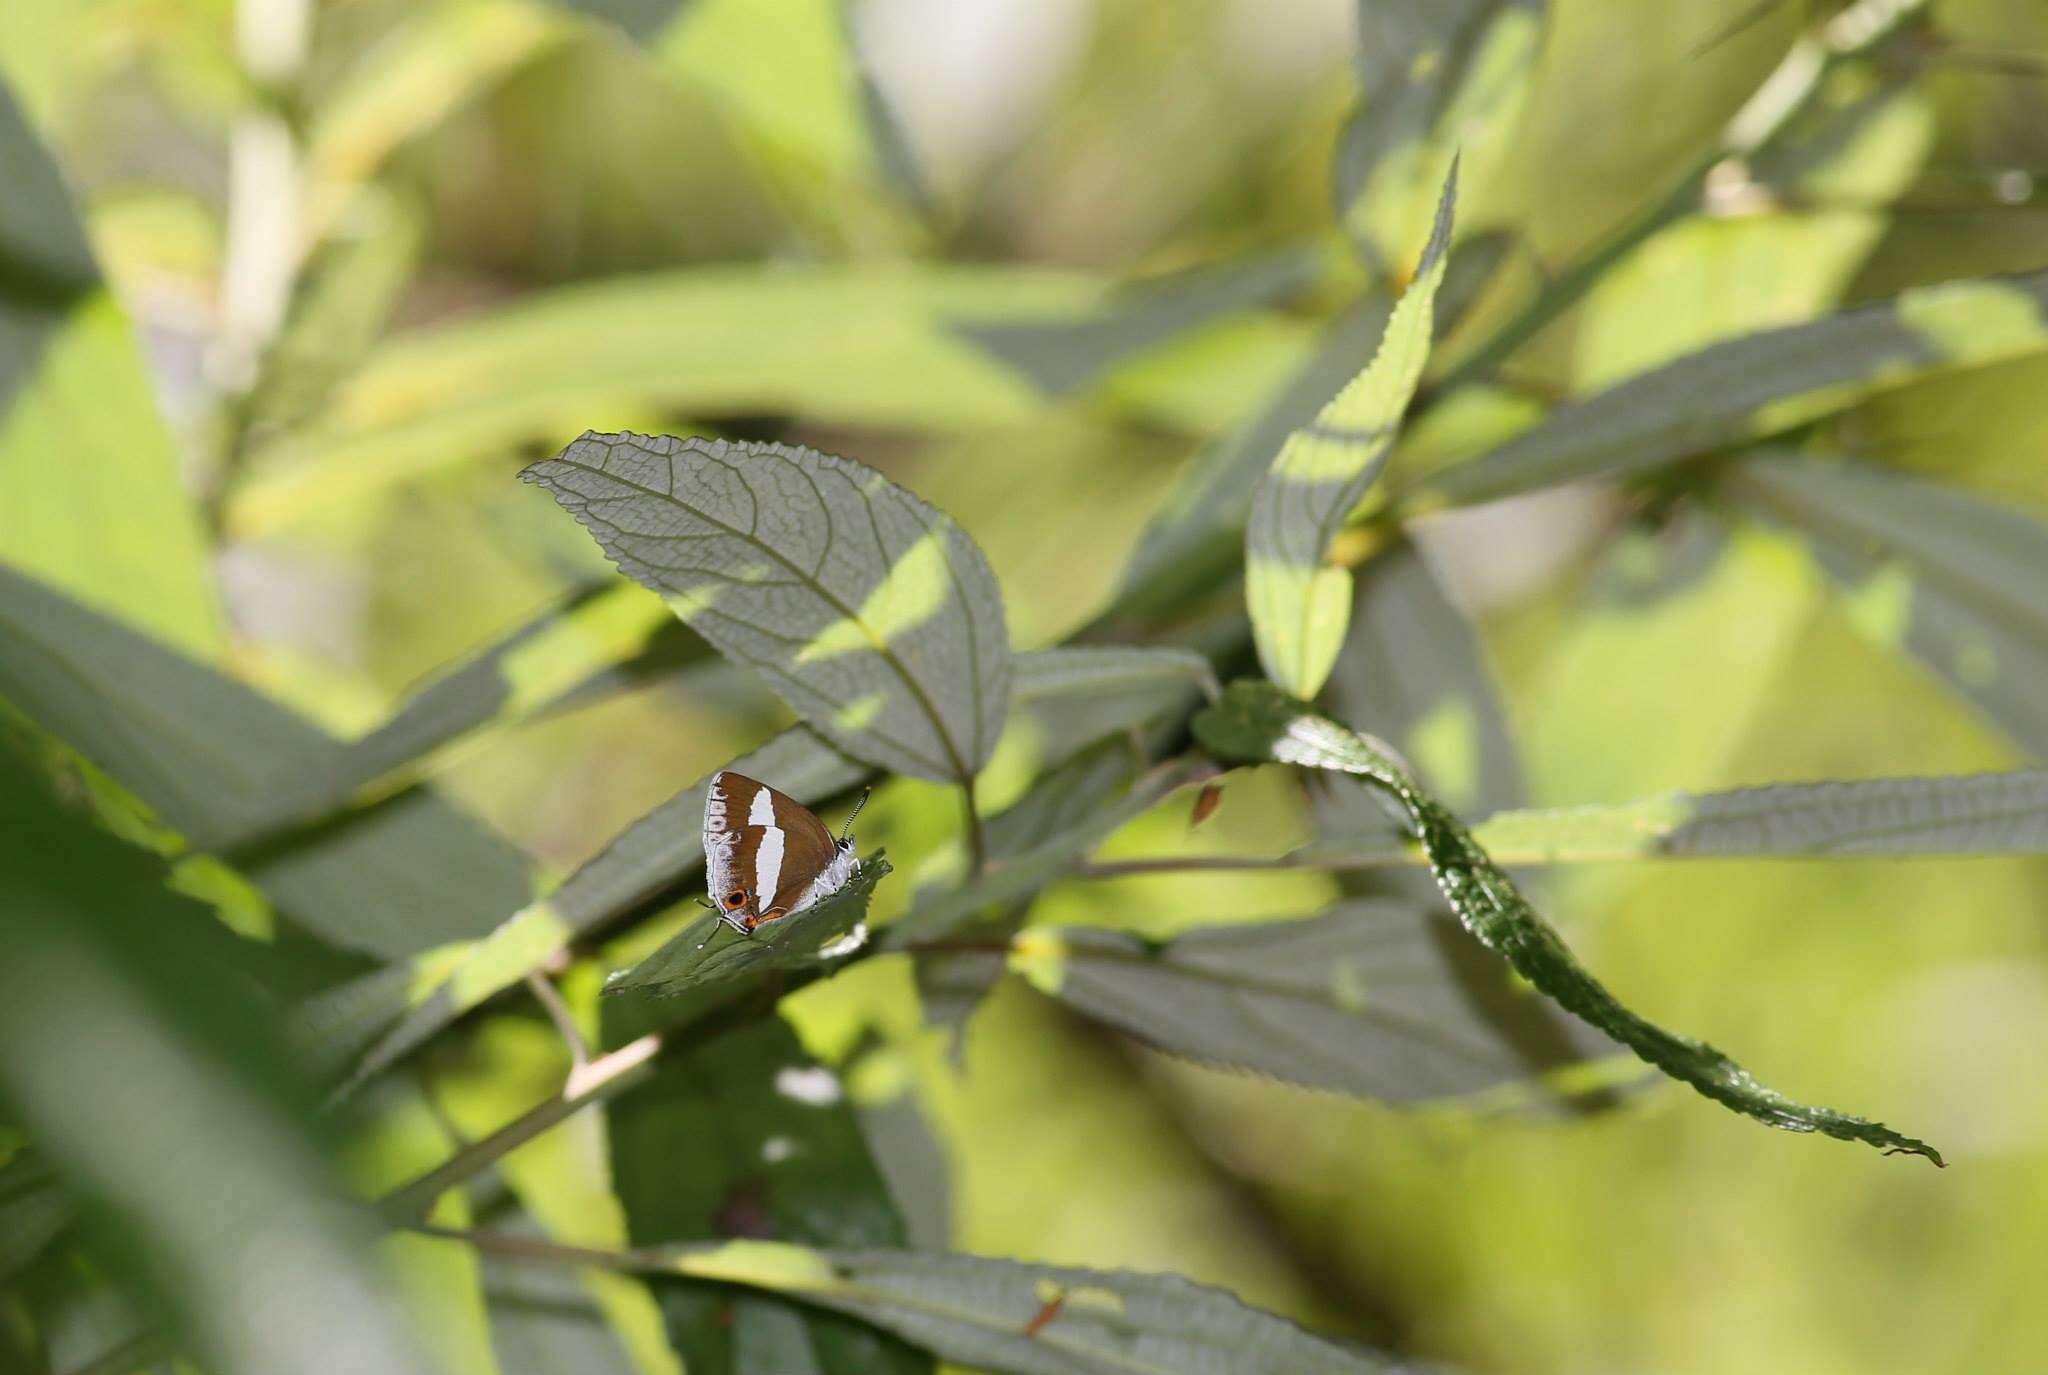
{"points": [[675, 1131]]}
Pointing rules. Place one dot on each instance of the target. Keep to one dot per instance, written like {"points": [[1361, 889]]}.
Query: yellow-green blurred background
{"points": [[367, 256]]}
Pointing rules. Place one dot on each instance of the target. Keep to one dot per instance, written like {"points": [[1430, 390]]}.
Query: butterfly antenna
{"points": [[847, 829]]}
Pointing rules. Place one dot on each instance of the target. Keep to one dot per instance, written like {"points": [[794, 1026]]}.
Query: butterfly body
{"points": [[766, 854]]}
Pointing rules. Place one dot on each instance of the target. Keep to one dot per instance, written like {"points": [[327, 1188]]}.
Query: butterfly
{"points": [[767, 854]]}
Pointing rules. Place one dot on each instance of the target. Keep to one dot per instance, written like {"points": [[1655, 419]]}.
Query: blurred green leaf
{"points": [[1953, 579], [1045, 830], [1258, 722], [708, 951], [233, 772], [432, 63], [655, 852], [643, 19], [342, 302], [1032, 1319], [1413, 667], [1301, 606], [1986, 813], [94, 501], [1064, 355], [744, 1135], [1067, 818], [154, 1078], [33, 1210], [1438, 76], [1763, 384], [873, 615], [1078, 694], [1375, 997], [863, 346], [560, 651], [545, 1321]]}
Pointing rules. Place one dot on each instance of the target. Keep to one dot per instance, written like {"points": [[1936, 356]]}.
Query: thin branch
{"points": [[598, 1080], [1186, 864], [533, 1248], [550, 998]]}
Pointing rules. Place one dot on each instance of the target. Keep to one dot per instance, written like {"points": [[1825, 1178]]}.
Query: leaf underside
{"points": [[872, 614]]}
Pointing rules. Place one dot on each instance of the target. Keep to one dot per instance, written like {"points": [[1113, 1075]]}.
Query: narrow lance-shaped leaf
{"points": [[1300, 604], [1006, 1315], [229, 769], [1063, 355], [1762, 384], [1258, 722], [1969, 814], [861, 346], [1962, 814], [1197, 539], [1959, 582], [1385, 998], [874, 616]]}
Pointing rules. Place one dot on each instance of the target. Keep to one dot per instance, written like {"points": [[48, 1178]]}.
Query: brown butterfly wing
{"points": [[806, 849], [762, 848]]}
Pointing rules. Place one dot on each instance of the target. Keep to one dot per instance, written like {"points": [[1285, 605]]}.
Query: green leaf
{"points": [[230, 770], [851, 346], [874, 616], [741, 1134], [95, 505], [1763, 384], [1952, 579], [545, 1321], [708, 952], [1197, 538], [653, 854], [1413, 665], [1436, 75], [154, 1079], [1257, 722], [1078, 694], [1064, 355], [1300, 605], [558, 652], [1969, 814], [1031, 1319], [1376, 997]]}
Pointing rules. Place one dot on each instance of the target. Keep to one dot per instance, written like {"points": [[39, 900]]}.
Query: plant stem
{"points": [[532, 1248], [977, 842], [598, 1080]]}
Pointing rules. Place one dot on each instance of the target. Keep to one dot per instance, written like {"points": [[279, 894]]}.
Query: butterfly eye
{"points": [[735, 898]]}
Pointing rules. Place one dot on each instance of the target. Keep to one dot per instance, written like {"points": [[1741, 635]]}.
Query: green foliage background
{"points": [[1045, 284]]}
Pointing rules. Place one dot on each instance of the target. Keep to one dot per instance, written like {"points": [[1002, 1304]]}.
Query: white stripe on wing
{"points": [[767, 864]]}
